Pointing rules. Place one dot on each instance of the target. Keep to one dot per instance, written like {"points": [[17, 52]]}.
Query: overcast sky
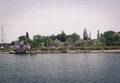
{"points": [[47, 17]]}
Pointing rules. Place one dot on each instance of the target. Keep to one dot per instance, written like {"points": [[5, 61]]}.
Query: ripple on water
{"points": [[61, 68]]}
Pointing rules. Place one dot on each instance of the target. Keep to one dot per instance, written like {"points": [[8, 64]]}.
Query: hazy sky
{"points": [[48, 17]]}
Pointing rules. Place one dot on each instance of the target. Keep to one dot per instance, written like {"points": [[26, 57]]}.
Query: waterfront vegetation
{"points": [[62, 42], [108, 38]]}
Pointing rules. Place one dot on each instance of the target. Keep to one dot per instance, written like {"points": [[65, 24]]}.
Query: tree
{"points": [[98, 35], [75, 37], [46, 40], [56, 43], [22, 38], [110, 38], [118, 35], [52, 37], [27, 37], [85, 34], [37, 39], [62, 37], [32, 44]]}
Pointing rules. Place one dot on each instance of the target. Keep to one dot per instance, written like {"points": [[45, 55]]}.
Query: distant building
{"points": [[21, 47]]}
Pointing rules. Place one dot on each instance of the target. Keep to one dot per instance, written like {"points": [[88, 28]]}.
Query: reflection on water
{"points": [[60, 68]]}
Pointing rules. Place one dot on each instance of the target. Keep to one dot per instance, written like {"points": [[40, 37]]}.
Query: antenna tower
{"points": [[2, 38]]}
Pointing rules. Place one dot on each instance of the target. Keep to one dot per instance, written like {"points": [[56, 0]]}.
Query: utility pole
{"points": [[2, 35]]}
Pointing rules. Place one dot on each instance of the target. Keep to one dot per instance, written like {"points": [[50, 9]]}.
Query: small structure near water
{"points": [[21, 46]]}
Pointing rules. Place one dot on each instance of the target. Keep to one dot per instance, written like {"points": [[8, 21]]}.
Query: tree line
{"points": [[108, 38]]}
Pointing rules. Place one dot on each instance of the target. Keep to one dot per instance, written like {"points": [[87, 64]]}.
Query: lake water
{"points": [[60, 68]]}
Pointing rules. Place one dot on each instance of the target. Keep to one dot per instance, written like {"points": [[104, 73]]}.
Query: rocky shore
{"points": [[69, 50], [75, 50]]}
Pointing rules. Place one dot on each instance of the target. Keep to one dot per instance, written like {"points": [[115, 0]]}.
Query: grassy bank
{"points": [[75, 49], [106, 49]]}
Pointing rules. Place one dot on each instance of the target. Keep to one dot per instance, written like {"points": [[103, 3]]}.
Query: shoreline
{"points": [[72, 51], [75, 51], [48, 50]]}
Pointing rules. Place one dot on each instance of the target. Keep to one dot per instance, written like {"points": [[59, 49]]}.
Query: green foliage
{"points": [[22, 38], [75, 37], [85, 34], [56, 43], [111, 38], [32, 44], [62, 37], [98, 35], [52, 37], [37, 40], [110, 35], [108, 38], [54, 40]]}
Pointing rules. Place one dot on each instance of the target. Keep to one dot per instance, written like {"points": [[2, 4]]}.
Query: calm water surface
{"points": [[60, 68]]}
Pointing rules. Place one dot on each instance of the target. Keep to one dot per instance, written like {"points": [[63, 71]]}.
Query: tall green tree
{"points": [[27, 37], [98, 35], [85, 34], [62, 37]]}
